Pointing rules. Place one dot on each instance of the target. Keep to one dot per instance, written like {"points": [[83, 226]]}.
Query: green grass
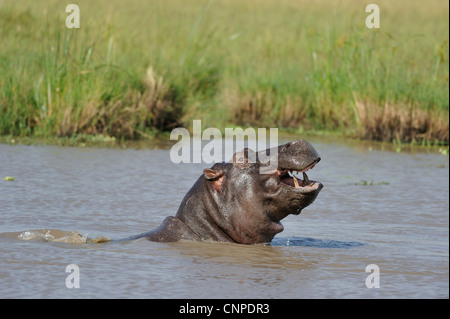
{"points": [[135, 68]]}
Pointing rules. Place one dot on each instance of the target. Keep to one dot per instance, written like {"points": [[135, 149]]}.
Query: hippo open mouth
{"points": [[291, 176]]}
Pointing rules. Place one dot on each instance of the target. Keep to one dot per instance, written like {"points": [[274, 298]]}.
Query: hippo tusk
{"points": [[305, 179], [295, 182]]}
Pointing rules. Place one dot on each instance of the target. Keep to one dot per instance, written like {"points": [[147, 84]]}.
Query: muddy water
{"points": [[377, 207]]}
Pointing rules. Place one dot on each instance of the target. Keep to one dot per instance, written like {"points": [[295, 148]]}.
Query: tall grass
{"points": [[134, 67]]}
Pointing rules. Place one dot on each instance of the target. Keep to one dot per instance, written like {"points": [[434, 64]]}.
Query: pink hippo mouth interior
{"points": [[292, 177]]}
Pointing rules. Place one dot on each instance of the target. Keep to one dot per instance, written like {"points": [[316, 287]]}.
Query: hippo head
{"points": [[236, 202]]}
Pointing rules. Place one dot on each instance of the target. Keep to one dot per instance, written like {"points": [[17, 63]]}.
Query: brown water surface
{"points": [[377, 207]]}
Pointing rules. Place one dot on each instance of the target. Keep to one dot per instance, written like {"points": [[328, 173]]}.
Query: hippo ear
{"points": [[215, 177], [210, 173], [240, 159]]}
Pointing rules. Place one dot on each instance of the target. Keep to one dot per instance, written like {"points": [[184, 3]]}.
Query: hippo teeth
{"points": [[292, 178], [305, 179], [296, 181]]}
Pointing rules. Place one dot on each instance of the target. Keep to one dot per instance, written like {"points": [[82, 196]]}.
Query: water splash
{"points": [[54, 235]]}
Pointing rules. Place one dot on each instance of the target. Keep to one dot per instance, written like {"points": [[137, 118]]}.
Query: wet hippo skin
{"points": [[235, 202]]}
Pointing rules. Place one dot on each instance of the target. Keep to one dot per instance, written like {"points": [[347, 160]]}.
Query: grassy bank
{"points": [[135, 68]]}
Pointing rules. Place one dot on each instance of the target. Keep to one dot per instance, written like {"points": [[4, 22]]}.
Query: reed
{"points": [[135, 68]]}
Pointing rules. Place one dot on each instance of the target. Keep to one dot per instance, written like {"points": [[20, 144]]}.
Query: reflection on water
{"points": [[312, 242], [64, 201]]}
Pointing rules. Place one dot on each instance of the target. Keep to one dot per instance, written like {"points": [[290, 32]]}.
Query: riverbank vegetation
{"points": [[135, 68]]}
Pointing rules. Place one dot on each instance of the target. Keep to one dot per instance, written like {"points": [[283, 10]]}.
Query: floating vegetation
{"points": [[364, 182], [443, 151]]}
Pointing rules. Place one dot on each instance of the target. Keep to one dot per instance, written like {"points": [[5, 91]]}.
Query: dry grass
{"points": [[130, 117], [261, 109], [388, 122], [400, 122]]}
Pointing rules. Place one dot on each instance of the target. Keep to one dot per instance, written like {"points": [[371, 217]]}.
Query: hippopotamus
{"points": [[234, 202]]}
